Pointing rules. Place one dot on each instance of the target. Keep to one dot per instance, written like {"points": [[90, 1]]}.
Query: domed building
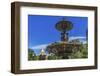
{"points": [[42, 55]]}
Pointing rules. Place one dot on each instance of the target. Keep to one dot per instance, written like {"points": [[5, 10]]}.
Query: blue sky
{"points": [[41, 30]]}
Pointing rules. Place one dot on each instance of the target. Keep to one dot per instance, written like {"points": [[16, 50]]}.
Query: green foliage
{"points": [[82, 53], [52, 57], [31, 55]]}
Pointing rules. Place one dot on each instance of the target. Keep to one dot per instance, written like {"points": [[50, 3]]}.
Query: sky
{"points": [[42, 31]]}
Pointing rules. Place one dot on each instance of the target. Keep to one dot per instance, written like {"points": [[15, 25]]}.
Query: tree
{"points": [[52, 56], [82, 53], [31, 55]]}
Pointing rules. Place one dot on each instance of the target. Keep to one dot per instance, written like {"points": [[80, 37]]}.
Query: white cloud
{"points": [[81, 38], [76, 37], [42, 46]]}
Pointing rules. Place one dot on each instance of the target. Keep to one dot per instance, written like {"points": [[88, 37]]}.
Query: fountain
{"points": [[64, 48]]}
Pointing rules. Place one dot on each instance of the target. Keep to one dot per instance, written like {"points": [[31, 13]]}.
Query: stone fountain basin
{"points": [[60, 48]]}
